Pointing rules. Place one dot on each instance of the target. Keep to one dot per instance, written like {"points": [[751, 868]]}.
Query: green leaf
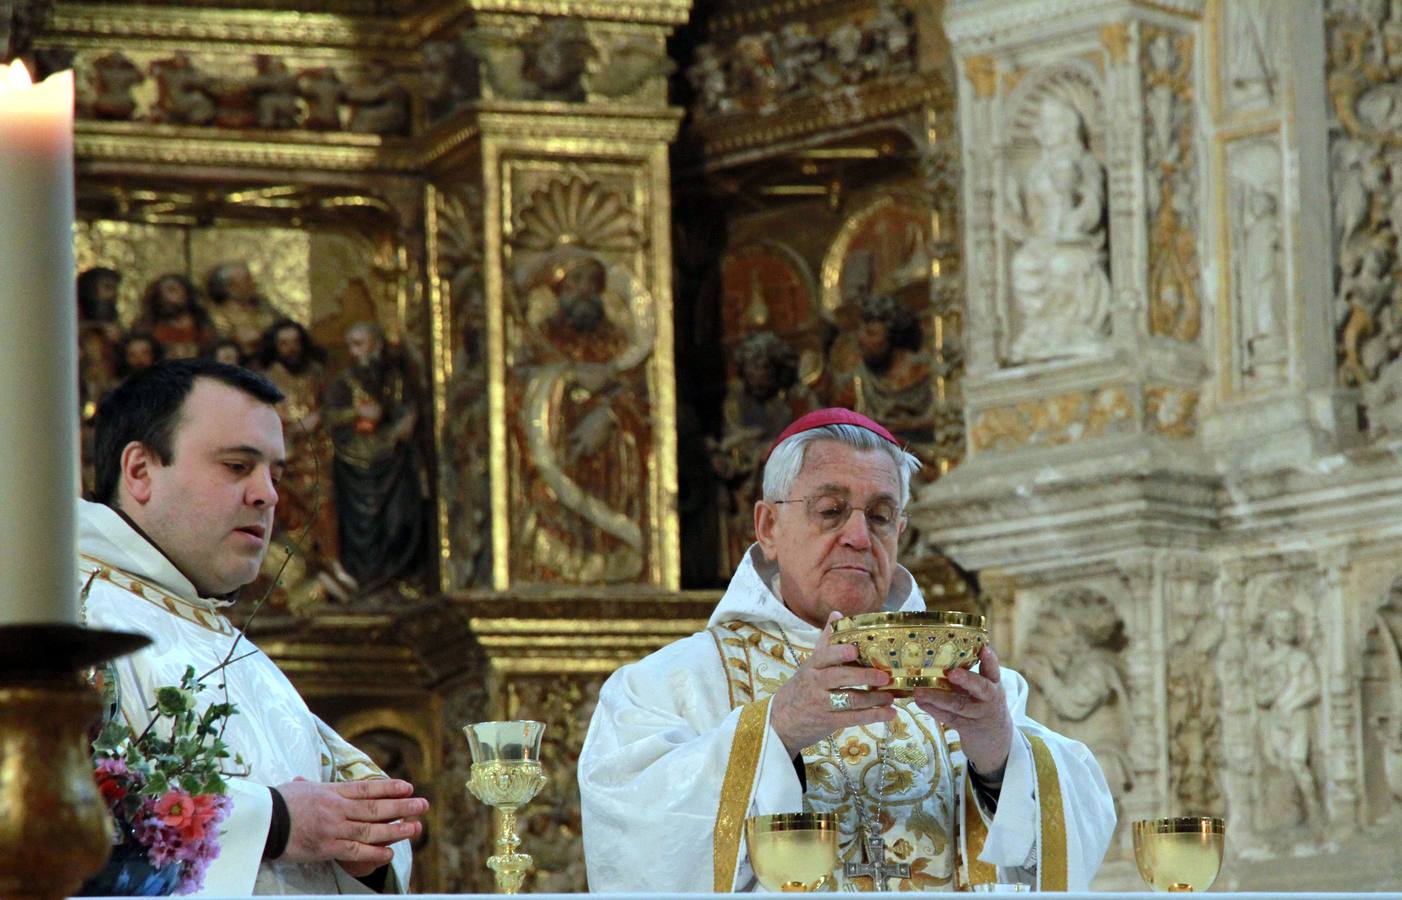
{"points": [[171, 701]]}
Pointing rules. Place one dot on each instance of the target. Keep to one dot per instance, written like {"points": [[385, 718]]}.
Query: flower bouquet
{"points": [[166, 790]]}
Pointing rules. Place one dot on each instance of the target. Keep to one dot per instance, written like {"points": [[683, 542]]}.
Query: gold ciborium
{"points": [[506, 774], [915, 647], [792, 851], [1181, 854]]}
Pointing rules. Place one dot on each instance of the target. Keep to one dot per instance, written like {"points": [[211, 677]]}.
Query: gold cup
{"points": [[792, 851], [506, 774], [915, 647], [1180, 854]]}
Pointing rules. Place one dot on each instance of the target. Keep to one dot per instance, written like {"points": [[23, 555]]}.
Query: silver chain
{"points": [[869, 830]]}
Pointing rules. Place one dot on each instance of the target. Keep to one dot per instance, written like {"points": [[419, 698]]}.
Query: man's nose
{"points": [[262, 492], [855, 532]]}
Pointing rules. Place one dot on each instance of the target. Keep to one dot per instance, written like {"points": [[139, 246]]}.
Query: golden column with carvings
{"points": [[549, 221]]}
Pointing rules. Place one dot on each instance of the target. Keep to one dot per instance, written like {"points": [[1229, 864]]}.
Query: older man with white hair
{"points": [[758, 714]]}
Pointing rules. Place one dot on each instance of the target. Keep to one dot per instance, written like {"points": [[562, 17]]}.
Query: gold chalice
{"points": [[1180, 854], [506, 774], [915, 647], [792, 851]]}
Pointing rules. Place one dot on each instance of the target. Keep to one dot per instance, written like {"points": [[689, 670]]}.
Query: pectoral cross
{"points": [[876, 865]]}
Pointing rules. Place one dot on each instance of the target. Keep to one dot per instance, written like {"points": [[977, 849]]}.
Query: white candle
{"points": [[38, 350]]}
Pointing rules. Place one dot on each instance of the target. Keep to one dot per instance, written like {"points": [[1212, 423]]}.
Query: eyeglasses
{"points": [[828, 513]]}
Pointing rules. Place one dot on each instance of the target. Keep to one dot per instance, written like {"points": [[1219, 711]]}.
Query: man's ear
{"points": [[766, 520], [136, 472]]}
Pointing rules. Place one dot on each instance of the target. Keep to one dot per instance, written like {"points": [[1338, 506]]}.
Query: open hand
{"points": [[801, 712], [350, 822], [977, 709]]}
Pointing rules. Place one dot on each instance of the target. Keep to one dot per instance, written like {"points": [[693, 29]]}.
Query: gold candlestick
{"points": [[54, 826], [506, 774]]}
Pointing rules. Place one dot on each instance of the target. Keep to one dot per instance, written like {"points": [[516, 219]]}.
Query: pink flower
{"points": [[177, 809]]}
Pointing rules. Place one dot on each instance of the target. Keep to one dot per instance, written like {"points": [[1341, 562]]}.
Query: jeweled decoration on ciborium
{"points": [[506, 774]]}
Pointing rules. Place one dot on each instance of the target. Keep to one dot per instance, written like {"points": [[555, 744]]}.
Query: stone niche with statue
{"points": [[1181, 483]]}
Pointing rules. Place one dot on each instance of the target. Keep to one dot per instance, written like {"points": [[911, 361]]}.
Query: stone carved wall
{"points": [[1366, 167]]}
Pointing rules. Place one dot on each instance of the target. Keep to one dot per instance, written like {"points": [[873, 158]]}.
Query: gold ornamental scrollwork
{"points": [[1053, 421]]}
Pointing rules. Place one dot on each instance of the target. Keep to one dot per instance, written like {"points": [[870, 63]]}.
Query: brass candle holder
{"points": [[54, 827], [506, 774]]}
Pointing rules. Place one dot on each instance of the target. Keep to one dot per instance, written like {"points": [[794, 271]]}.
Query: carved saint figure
{"points": [[379, 103], [322, 89], [1259, 284], [585, 429], [276, 91], [1287, 691], [174, 316], [708, 78], [758, 406], [372, 411], [558, 51], [894, 382], [1061, 292], [185, 92], [239, 311], [114, 77]]}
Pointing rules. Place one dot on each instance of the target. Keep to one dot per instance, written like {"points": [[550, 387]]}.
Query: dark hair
{"points": [[267, 344], [902, 327], [146, 408]]}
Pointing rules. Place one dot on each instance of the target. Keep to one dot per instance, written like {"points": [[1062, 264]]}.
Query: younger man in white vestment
{"points": [[754, 716], [188, 455]]}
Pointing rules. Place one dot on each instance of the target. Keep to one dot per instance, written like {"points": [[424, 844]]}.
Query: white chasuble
{"points": [[680, 751], [133, 587]]}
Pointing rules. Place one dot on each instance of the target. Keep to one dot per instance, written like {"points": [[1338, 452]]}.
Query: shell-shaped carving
{"points": [[1072, 82], [459, 241], [575, 210]]}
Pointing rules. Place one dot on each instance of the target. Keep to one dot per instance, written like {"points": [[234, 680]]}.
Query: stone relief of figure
{"points": [[1381, 691], [753, 75], [185, 93], [322, 90], [628, 64], [1060, 287], [758, 405], [796, 51], [890, 39], [1286, 687], [173, 314], [114, 78], [1076, 665], [557, 55], [239, 311], [379, 103], [275, 91], [372, 413], [585, 425], [1260, 286]]}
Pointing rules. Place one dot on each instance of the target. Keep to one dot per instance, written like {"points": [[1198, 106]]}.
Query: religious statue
{"points": [[1287, 691], [173, 314], [585, 424], [1060, 287], [379, 103], [275, 90], [322, 89], [137, 351], [765, 398], [708, 78], [557, 53], [114, 77], [226, 351], [97, 301], [753, 75], [184, 96], [796, 52], [238, 310], [1260, 285], [448, 77], [894, 381], [372, 413], [292, 361]]}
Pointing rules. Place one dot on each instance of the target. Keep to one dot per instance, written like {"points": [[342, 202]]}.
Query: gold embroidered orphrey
{"points": [[918, 826]]}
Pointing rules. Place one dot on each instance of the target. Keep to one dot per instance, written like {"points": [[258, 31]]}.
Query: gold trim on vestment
{"points": [[740, 772], [975, 835], [1052, 867], [155, 594]]}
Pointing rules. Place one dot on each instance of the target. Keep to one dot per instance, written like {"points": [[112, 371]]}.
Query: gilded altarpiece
{"points": [[486, 184]]}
